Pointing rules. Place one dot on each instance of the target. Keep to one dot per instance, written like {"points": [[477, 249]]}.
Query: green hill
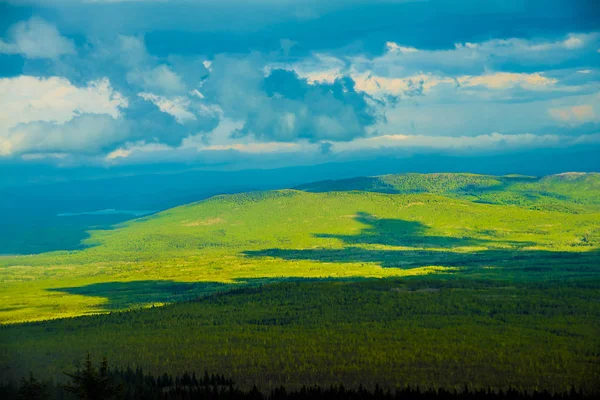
{"points": [[430, 280], [564, 192], [453, 225]]}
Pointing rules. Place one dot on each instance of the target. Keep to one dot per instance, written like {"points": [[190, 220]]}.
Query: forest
{"points": [[431, 333], [103, 383], [393, 282]]}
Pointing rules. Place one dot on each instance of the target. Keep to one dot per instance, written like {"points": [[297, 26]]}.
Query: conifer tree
{"points": [[32, 389], [90, 383]]}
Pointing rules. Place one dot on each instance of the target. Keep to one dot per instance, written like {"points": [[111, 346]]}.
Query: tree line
{"points": [[102, 383]]}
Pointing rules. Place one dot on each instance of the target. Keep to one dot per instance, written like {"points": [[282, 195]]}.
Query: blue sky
{"points": [[265, 83]]}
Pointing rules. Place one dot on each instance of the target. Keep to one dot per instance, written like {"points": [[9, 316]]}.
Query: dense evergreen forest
{"points": [[429, 332], [102, 383]]}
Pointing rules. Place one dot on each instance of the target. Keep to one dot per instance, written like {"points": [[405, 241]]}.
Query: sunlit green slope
{"points": [[570, 191], [455, 225]]}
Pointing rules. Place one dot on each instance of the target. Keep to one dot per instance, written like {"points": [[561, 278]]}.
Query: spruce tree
{"points": [[90, 383], [32, 389]]}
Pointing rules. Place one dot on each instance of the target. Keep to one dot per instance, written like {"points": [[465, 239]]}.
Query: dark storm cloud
{"points": [[281, 106]]}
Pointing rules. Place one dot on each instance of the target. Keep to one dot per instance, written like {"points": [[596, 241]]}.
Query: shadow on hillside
{"points": [[397, 232], [445, 251], [126, 294], [524, 260], [41, 234], [122, 295], [363, 183]]}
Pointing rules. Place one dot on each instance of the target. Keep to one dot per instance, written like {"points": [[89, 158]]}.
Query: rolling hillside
{"points": [[565, 192], [454, 225]]}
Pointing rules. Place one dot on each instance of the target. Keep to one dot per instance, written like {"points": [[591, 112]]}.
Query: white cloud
{"points": [[574, 41], [84, 134], [493, 141], [318, 68], [256, 148], [408, 70], [26, 99], [381, 85], [396, 48], [176, 106], [158, 79], [140, 149], [233, 151], [475, 58], [36, 38], [503, 80], [119, 153], [574, 114], [53, 115]]}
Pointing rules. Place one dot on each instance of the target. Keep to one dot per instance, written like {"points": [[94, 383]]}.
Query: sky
{"points": [[269, 83]]}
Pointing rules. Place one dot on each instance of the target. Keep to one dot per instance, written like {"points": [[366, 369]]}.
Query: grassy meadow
{"points": [[483, 274]]}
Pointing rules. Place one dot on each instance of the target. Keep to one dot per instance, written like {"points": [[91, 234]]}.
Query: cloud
{"points": [[177, 107], [502, 80], [36, 38], [251, 154], [84, 134], [26, 99], [258, 148], [166, 121], [509, 65], [574, 114], [514, 54], [499, 69], [498, 86], [53, 115], [300, 83], [490, 142], [118, 153], [212, 27], [281, 106], [160, 78]]}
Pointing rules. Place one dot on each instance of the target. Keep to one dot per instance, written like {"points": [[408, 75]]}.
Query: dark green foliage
{"points": [[434, 332], [90, 383], [141, 386], [31, 389]]}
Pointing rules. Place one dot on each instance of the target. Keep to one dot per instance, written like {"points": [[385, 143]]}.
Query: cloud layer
{"points": [[36, 38], [304, 81]]}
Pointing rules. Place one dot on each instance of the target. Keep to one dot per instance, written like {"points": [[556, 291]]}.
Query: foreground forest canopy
{"points": [[429, 333], [488, 280], [103, 383]]}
